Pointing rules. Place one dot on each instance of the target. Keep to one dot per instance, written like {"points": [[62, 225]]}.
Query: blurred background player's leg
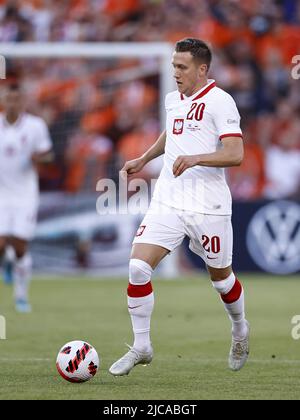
{"points": [[5, 229], [3, 241], [22, 270], [23, 228], [8, 261]]}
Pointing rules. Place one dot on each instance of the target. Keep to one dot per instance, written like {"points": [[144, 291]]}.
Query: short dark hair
{"points": [[198, 49]]}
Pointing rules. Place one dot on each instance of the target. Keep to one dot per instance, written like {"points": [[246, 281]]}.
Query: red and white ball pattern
{"points": [[77, 361]]}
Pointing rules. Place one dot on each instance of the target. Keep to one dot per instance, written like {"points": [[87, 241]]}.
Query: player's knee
{"points": [[140, 272], [25, 262], [217, 274], [20, 250]]}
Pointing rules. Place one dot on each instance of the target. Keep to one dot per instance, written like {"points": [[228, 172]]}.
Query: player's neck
{"points": [[198, 86], [12, 118]]}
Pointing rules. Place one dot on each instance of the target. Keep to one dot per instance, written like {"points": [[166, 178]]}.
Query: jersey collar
{"points": [[17, 123], [203, 91]]}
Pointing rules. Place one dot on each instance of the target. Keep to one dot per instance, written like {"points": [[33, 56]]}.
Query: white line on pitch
{"points": [[183, 359], [3, 359], [249, 361]]}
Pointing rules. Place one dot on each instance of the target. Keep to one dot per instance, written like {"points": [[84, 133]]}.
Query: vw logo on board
{"points": [[273, 237]]}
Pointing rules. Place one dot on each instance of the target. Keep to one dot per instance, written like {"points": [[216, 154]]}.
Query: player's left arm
{"points": [[42, 152], [231, 154], [226, 119]]}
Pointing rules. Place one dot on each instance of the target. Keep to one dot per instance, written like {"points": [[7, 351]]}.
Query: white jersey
{"points": [[196, 125], [18, 141]]}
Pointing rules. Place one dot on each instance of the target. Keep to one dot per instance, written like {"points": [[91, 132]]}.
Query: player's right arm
{"points": [[136, 165]]}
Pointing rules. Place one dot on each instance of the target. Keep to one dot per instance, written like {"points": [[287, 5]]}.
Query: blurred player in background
{"points": [[25, 143], [191, 198]]}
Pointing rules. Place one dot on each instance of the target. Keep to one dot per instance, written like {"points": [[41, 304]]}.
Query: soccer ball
{"points": [[77, 361]]}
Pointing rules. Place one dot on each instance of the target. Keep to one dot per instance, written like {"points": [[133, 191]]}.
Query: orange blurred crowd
{"points": [[99, 115]]}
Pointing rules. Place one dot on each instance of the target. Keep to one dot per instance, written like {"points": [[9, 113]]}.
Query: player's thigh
{"points": [[151, 254], [212, 239], [160, 232], [6, 221], [24, 225], [19, 245]]}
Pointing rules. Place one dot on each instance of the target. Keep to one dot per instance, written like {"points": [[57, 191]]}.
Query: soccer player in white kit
{"points": [[191, 198], [24, 143]]}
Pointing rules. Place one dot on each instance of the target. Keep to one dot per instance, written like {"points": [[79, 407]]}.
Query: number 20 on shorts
{"points": [[211, 244]]}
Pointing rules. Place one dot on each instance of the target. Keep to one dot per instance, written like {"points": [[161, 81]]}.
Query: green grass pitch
{"points": [[190, 335]]}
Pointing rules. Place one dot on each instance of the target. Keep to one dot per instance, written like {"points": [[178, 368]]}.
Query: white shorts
{"points": [[210, 235], [18, 221]]}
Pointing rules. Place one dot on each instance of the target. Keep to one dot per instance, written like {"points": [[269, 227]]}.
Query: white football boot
{"points": [[132, 358], [239, 351]]}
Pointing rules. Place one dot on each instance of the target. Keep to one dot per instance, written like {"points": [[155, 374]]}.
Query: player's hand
{"points": [[131, 167], [182, 163], [35, 161], [35, 158]]}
